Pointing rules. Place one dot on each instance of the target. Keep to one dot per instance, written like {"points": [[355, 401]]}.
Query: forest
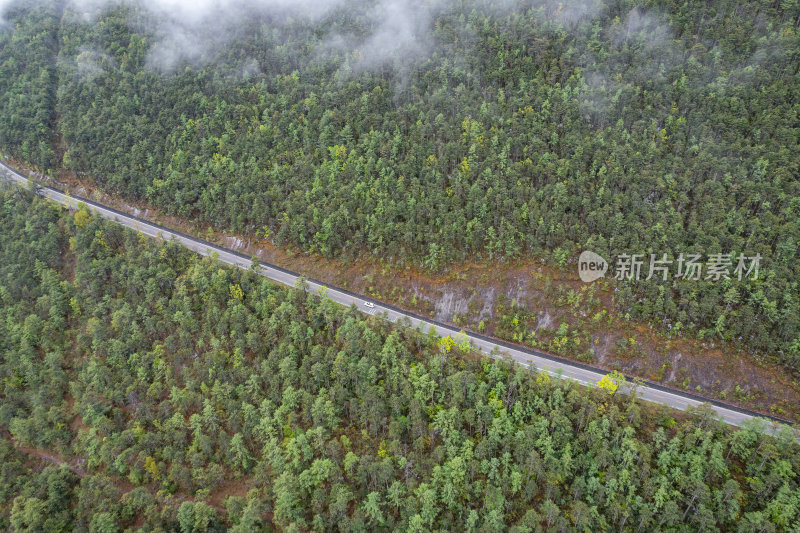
{"points": [[145, 388], [517, 129]]}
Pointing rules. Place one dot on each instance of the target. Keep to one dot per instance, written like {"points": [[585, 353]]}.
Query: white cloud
{"points": [[192, 31], [3, 6]]}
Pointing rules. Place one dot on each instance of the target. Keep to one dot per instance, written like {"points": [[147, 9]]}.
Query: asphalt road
{"points": [[583, 374]]}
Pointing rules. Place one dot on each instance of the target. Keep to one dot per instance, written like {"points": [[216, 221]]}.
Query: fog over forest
{"points": [[450, 158]]}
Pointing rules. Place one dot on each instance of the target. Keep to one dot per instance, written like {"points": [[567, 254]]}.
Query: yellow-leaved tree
{"points": [[611, 382], [446, 344]]}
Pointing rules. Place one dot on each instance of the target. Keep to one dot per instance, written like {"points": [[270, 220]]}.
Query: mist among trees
{"points": [[479, 132]]}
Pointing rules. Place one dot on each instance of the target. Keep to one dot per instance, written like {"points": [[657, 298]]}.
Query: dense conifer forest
{"points": [[145, 387], [500, 130]]}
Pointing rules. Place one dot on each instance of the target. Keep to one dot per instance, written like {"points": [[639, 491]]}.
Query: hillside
{"points": [[144, 387], [445, 132]]}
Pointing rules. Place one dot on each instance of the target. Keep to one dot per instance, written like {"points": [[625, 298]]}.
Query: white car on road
{"points": [[369, 304]]}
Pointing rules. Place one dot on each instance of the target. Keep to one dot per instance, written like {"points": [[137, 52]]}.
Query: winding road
{"points": [[563, 368]]}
